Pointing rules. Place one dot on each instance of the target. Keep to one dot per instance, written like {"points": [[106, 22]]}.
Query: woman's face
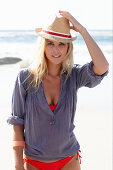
{"points": [[55, 51]]}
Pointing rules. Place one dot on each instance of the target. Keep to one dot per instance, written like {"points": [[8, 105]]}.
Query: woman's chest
{"points": [[52, 90]]}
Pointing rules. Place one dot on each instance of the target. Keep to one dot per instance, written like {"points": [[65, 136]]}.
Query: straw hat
{"points": [[57, 28]]}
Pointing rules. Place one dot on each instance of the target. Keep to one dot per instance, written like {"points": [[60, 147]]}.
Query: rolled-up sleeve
{"points": [[84, 76], [18, 102]]}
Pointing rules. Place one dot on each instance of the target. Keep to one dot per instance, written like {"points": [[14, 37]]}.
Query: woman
{"points": [[45, 97]]}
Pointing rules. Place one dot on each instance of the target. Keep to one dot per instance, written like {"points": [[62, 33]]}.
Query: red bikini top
{"points": [[52, 107]]}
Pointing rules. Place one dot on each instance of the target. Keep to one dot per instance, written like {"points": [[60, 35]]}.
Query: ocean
{"points": [[22, 43], [103, 37]]}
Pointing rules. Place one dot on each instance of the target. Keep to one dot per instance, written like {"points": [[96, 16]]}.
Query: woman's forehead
{"points": [[48, 40], [51, 40]]}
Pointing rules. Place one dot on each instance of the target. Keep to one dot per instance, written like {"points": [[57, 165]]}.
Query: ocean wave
{"points": [[29, 36]]}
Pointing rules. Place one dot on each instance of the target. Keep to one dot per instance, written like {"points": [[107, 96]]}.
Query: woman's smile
{"points": [[58, 56]]}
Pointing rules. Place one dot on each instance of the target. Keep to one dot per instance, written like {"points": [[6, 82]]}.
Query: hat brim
{"points": [[52, 37]]}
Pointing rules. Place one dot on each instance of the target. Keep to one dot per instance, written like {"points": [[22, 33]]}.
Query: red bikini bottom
{"points": [[53, 165]]}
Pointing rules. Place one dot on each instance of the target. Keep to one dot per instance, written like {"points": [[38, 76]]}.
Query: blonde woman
{"points": [[45, 96]]}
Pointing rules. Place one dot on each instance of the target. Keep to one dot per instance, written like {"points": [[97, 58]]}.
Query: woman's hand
{"points": [[75, 24]]}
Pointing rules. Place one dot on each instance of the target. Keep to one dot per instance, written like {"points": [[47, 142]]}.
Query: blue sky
{"points": [[29, 14]]}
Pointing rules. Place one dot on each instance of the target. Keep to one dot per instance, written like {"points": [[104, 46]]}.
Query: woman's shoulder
{"points": [[75, 66], [23, 73], [23, 77]]}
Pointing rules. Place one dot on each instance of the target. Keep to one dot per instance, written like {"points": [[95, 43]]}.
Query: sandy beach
{"points": [[93, 122]]}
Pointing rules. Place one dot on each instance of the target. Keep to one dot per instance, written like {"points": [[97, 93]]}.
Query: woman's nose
{"points": [[56, 49]]}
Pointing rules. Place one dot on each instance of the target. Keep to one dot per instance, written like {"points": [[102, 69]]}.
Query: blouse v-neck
{"points": [[45, 99]]}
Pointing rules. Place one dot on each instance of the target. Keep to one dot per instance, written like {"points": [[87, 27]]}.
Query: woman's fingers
{"points": [[75, 24], [62, 11], [64, 14]]}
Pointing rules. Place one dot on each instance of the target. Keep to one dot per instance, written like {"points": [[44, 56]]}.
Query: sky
{"points": [[29, 14]]}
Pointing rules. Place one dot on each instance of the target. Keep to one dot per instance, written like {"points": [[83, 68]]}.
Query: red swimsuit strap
{"points": [[78, 156]]}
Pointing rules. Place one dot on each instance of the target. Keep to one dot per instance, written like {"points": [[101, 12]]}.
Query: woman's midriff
{"points": [[37, 159], [25, 156]]}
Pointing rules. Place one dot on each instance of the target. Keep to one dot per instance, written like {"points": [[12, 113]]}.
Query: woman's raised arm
{"points": [[100, 63]]}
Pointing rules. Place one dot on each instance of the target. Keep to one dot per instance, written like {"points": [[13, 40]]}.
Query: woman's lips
{"points": [[56, 56]]}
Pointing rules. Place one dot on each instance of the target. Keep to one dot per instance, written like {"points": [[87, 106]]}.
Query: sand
{"points": [[93, 122]]}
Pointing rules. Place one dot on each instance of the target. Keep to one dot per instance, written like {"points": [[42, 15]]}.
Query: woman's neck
{"points": [[54, 70]]}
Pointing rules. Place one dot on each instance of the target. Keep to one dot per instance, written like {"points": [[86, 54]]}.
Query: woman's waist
{"points": [[45, 153], [30, 158]]}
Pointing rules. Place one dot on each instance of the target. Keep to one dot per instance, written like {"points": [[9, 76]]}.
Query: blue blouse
{"points": [[49, 135]]}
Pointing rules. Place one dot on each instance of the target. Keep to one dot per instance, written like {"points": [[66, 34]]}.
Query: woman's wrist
{"points": [[18, 157], [82, 30], [19, 166]]}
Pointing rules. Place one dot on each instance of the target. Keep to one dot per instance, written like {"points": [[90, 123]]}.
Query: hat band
{"points": [[68, 36]]}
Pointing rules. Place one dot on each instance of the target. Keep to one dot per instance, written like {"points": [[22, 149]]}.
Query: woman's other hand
{"points": [[75, 24]]}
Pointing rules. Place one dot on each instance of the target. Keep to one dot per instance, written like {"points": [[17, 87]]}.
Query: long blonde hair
{"points": [[38, 69]]}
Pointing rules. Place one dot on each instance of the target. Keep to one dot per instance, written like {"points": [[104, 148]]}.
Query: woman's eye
{"points": [[61, 44], [50, 43]]}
